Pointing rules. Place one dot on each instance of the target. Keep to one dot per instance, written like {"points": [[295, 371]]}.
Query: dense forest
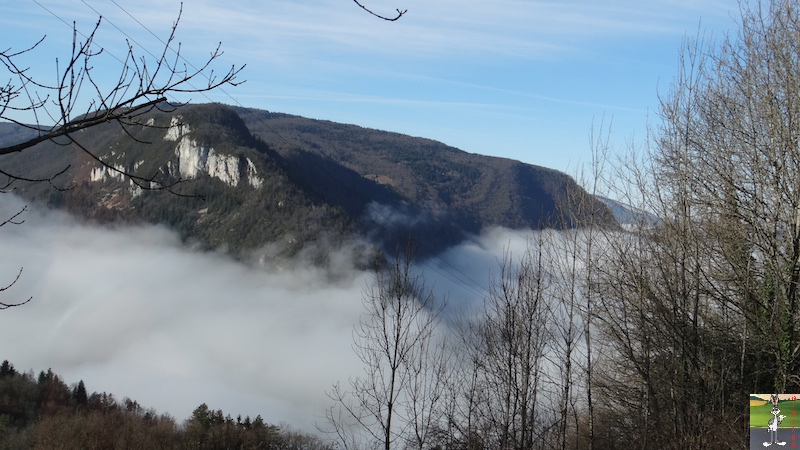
{"points": [[43, 412]]}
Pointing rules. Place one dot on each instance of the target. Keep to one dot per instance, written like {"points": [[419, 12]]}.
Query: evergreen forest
{"points": [[43, 412]]}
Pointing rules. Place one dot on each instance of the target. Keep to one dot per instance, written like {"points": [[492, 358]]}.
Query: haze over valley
{"points": [[133, 311]]}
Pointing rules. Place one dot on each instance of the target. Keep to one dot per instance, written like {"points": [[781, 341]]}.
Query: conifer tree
{"points": [[79, 394]]}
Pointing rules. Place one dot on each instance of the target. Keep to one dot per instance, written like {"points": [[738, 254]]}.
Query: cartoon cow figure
{"points": [[772, 424]]}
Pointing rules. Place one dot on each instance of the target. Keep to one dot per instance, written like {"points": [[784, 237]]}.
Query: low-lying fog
{"points": [[133, 312]]}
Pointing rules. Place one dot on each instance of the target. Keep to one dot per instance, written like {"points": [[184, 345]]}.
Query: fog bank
{"points": [[133, 312]]}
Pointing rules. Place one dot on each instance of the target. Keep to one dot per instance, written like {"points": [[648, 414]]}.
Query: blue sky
{"points": [[521, 79]]}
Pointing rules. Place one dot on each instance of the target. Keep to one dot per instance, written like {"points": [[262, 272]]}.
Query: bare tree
{"points": [[397, 400], [508, 343], [569, 317], [729, 151], [574, 350], [78, 99], [585, 247], [701, 308]]}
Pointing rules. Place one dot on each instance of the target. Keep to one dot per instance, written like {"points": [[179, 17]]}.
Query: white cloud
{"points": [[282, 30]]}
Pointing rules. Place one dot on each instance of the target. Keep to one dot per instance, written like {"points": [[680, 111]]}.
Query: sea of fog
{"points": [[134, 312]]}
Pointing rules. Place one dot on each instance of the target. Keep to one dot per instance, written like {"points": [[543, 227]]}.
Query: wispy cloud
{"points": [[282, 28], [473, 62]]}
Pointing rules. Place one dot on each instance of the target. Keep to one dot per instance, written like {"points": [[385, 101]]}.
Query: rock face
{"points": [[250, 179], [194, 158]]}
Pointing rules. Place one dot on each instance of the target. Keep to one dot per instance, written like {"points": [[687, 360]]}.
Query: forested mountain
{"points": [[44, 412], [241, 179]]}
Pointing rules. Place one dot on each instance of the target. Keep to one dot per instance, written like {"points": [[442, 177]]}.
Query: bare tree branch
{"points": [[13, 219], [143, 84], [4, 305], [400, 13]]}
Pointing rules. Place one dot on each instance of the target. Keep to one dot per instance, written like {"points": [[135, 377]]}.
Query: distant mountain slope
{"points": [[255, 180], [629, 215], [474, 190]]}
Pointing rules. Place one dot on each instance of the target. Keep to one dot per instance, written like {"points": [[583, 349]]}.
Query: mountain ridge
{"points": [[249, 179]]}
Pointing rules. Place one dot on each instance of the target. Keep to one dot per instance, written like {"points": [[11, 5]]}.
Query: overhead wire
{"points": [[445, 267]]}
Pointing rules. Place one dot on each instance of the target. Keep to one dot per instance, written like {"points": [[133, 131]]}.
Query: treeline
{"points": [[45, 413]]}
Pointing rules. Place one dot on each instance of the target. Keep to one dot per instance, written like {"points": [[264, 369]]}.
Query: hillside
{"points": [[473, 190], [251, 180], [44, 412]]}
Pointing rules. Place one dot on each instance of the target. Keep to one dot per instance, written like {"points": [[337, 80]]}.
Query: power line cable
{"points": [[74, 28]]}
